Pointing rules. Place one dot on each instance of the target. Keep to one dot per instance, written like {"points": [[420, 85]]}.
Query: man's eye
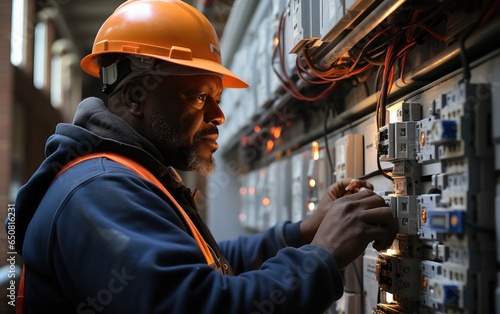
{"points": [[201, 98]]}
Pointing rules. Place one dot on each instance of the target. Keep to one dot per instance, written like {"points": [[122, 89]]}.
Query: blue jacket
{"points": [[99, 239]]}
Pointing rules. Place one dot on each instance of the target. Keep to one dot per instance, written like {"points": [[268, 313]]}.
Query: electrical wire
{"points": [[386, 47], [434, 13], [383, 48], [402, 42], [288, 84], [306, 71], [489, 7], [374, 173], [325, 135], [334, 73], [478, 228]]}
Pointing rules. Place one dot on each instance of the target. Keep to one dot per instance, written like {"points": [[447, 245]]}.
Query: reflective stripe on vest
{"points": [[148, 176]]}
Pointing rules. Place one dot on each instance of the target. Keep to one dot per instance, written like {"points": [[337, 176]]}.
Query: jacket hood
{"points": [[94, 129]]}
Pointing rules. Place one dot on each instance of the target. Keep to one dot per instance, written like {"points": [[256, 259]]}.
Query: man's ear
{"points": [[134, 96]]}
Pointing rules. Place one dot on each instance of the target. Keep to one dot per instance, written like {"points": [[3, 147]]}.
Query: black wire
{"points": [[382, 47], [477, 228], [325, 134], [374, 174], [379, 50], [434, 191], [463, 52], [367, 89], [434, 13], [377, 75], [378, 294], [373, 61], [312, 79]]}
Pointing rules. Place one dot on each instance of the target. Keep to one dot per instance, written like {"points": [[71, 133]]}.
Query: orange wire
{"points": [[307, 72]]}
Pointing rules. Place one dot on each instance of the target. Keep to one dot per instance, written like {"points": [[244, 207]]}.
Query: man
{"points": [[111, 235]]}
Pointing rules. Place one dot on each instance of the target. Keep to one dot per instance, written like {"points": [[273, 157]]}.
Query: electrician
{"points": [[105, 225]]}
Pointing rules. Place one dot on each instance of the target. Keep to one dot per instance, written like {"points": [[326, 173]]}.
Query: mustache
{"points": [[209, 131]]}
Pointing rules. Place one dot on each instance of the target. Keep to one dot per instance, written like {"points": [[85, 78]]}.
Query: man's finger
{"points": [[382, 236], [378, 216], [381, 217], [368, 197], [356, 184]]}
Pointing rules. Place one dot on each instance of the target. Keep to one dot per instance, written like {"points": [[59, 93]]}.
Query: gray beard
{"points": [[168, 137]]}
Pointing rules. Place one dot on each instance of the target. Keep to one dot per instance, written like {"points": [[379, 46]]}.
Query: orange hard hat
{"points": [[168, 30]]}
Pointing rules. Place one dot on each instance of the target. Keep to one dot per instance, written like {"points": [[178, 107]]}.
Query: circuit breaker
{"points": [[370, 140], [278, 203], [299, 187], [331, 12], [449, 221], [304, 23], [349, 160]]}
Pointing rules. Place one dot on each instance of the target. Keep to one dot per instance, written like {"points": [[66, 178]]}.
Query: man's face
{"points": [[183, 115]]}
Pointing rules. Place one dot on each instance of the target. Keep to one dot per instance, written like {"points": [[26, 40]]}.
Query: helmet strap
{"points": [[113, 74]]}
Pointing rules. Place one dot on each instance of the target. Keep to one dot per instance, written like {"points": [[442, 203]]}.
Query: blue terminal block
{"points": [[448, 129], [451, 294], [443, 131], [450, 221], [442, 294]]}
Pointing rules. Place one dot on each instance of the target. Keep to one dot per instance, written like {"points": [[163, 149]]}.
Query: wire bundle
{"points": [[383, 48], [386, 48]]}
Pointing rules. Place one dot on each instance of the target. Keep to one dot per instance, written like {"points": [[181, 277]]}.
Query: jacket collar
{"points": [[108, 132]]}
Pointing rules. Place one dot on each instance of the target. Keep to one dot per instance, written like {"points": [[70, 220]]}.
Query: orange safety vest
{"points": [[146, 175]]}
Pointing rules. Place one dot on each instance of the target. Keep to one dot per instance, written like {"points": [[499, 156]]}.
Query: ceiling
{"points": [[79, 20]]}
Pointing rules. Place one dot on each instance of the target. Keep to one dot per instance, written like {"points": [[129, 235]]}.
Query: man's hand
{"points": [[309, 226], [349, 217], [354, 221]]}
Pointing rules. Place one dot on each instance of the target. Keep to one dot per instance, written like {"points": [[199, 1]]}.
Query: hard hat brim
{"points": [[229, 80]]}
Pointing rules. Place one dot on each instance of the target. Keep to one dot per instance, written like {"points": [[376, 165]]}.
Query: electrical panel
{"points": [[410, 121], [455, 260], [440, 193]]}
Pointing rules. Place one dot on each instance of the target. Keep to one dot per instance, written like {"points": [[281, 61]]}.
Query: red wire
{"points": [[492, 10], [326, 75], [307, 72], [287, 83]]}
